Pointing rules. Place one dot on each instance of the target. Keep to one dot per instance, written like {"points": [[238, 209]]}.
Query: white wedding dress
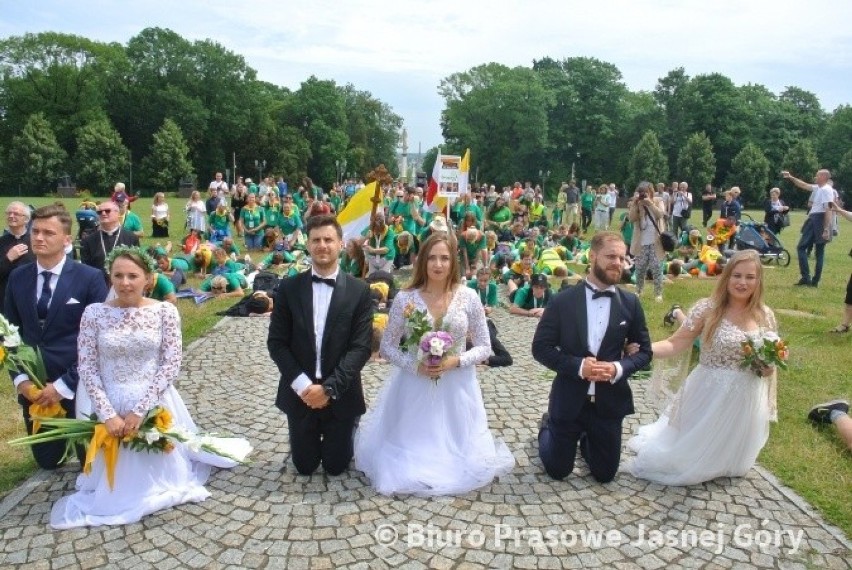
{"points": [[717, 422], [128, 360], [427, 438]]}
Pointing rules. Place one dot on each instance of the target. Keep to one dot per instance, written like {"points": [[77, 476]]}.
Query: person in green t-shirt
{"points": [[223, 264], [219, 223], [130, 221], [499, 216], [380, 247], [486, 287], [254, 223], [230, 247], [467, 205], [160, 288], [225, 285], [626, 228], [473, 249], [290, 223], [531, 299], [587, 204]]}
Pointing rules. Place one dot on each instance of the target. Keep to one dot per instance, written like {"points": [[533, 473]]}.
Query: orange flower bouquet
{"points": [[761, 352]]}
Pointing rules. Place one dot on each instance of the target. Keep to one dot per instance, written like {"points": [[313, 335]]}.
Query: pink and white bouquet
{"points": [[434, 346]]}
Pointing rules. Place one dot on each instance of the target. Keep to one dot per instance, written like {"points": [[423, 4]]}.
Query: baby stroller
{"points": [[758, 236]]}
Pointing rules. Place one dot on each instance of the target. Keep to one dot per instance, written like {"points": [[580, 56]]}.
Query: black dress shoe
{"points": [[803, 283]]}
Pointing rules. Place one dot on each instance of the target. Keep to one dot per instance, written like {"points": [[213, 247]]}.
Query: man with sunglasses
{"points": [[95, 247]]}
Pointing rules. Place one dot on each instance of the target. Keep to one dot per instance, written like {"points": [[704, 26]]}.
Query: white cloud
{"points": [[401, 50]]}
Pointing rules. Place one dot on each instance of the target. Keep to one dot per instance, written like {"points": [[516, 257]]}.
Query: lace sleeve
{"points": [[88, 363], [771, 323], [393, 335], [694, 321], [478, 329], [168, 365]]}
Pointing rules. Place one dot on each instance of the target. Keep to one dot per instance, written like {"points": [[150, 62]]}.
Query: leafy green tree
{"points": [[834, 139], [696, 163], [101, 159], [586, 96], [670, 94], [64, 77], [750, 171], [714, 105], [500, 113], [373, 129], [168, 162], [318, 109], [843, 175], [35, 160], [647, 162], [802, 161]]}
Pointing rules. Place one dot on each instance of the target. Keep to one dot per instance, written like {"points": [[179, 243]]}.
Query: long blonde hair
{"points": [[720, 297]]}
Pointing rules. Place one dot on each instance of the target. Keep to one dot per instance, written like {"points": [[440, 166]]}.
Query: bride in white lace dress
{"points": [[424, 437], [718, 421], [129, 356]]}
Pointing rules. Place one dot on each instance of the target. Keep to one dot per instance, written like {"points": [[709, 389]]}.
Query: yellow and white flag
{"points": [[464, 174], [355, 216]]}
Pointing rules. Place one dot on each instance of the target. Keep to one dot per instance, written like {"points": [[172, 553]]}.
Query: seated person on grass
{"points": [[219, 223], [486, 287], [531, 300]]}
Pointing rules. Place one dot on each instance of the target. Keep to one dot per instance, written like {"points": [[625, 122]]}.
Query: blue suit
{"points": [[57, 337]]}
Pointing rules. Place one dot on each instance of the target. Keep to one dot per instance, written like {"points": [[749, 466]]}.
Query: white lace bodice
{"points": [[464, 315], [128, 357], [725, 348]]}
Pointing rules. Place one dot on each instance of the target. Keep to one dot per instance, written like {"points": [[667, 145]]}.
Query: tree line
{"points": [[162, 109], [535, 123]]}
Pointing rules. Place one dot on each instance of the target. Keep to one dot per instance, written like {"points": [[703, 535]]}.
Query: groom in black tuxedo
{"points": [[581, 337], [320, 333]]}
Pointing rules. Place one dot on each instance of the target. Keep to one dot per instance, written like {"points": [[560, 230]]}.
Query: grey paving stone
{"points": [[263, 516]]}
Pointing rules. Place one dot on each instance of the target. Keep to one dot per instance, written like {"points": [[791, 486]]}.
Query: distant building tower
{"points": [[403, 166]]}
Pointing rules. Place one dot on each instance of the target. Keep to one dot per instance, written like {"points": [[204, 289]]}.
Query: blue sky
{"points": [[399, 51]]}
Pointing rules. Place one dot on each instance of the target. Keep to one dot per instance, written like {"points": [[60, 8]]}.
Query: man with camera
{"points": [[647, 213], [681, 205]]}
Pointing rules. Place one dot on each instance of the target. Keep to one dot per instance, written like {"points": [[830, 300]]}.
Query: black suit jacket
{"points": [[561, 342], [92, 250], [57, 339], [345, 344], [7, 242]]}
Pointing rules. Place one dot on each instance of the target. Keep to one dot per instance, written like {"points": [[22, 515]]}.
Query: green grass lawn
{"points": [[812, 461]]}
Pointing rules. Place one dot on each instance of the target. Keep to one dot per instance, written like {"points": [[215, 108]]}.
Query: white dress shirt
{"points": [[597, 317], [322, 299], [55, 272]]}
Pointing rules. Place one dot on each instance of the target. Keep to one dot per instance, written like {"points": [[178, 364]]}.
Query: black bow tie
{"points": [[597, 294], [318, 279]]}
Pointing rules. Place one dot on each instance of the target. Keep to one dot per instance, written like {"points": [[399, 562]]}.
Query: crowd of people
{"points": [[334, 305]]}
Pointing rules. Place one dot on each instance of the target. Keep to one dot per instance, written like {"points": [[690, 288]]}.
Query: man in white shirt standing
{"points": [[816, 232], [681, 202]]}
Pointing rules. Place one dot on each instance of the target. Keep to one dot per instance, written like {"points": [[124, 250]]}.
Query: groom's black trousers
{"points": [[320, 437], [557, 444]]}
